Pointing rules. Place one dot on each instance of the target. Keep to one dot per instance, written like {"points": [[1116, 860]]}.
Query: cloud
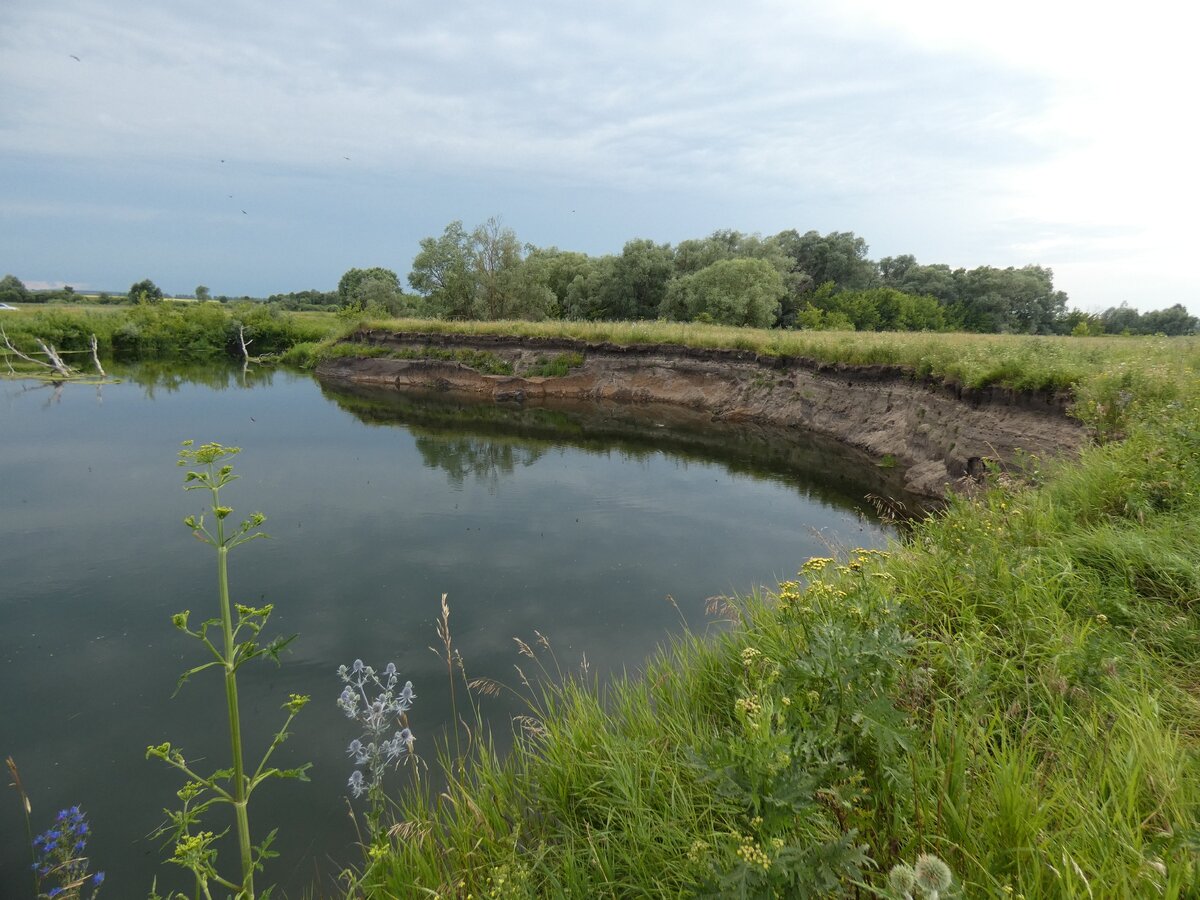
{"points": [[934, 128]]}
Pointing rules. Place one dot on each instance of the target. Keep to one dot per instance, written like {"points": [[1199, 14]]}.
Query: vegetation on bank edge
{"points": [[1014, 688], [157, 331], [1096, 369]]}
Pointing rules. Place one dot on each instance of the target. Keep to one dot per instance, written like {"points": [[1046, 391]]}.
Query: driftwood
{"points": [[245, 344], [96, 357], [56, 364], [59, 371]]}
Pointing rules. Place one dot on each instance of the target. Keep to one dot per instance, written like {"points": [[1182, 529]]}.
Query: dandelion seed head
{"points": [[931, 873], [902, 878]]}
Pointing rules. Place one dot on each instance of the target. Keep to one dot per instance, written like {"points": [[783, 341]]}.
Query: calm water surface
{"points": [[577, 522]]}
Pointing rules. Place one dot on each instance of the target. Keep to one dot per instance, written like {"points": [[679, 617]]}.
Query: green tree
{"points": [[442, 273], [145, 291], [202, 293], [350, 286], [1174, 320], [1021, 301], [839, 257], [495, 255], [557, 270], [730, 291], [634, 284], [13, 290]]}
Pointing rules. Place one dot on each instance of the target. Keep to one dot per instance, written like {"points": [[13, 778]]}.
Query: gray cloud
{"points": [[664, 121]]}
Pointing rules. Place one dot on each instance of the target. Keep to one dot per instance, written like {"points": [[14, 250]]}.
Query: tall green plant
{"points": [[236, 644]]}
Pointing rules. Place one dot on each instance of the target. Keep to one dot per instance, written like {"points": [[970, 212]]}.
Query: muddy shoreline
{"points": [[940, 436]]}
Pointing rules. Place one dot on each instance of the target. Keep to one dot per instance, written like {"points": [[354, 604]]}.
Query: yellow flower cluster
{"points": [[789, 592], [748, 706], [815, 565], [753, 855]]}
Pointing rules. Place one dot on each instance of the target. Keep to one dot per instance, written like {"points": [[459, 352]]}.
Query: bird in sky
{"points": [[74, 57], [244, 213]]}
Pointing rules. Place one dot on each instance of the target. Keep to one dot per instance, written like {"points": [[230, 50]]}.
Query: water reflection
{"points": [[485, 461], [170, 376], [465, 435], [575, 521]]}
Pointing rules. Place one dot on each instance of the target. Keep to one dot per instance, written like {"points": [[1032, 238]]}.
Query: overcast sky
{"points": [[262, 148]]}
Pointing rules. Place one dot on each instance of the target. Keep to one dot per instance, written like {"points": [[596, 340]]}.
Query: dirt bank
{"points": [[939, 434]]}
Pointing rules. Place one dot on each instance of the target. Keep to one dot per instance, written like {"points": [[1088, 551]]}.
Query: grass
{"points": [[1015, 687], [972, 360]]}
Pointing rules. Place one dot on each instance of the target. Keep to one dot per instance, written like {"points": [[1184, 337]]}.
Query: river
{"points": [[605, 532]]}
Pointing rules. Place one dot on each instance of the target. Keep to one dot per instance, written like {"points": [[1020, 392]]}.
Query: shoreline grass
{"points": [[1022, 362], [1015, 688]]}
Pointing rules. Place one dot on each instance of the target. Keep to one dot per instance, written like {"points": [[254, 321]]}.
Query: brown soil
{"points": [[941, 435]]}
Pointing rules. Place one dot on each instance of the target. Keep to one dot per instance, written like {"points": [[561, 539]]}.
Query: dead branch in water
{"points": [[96, 357], [56, 364]]}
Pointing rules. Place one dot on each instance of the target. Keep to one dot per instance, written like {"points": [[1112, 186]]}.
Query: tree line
{"points": [[786, 280]]}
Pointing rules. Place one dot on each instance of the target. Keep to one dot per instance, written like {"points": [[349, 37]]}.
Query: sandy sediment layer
{"points": [[941, 435]]}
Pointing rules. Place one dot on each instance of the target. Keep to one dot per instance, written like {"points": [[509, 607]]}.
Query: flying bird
{"points": [[244, 213], [74, 57]]}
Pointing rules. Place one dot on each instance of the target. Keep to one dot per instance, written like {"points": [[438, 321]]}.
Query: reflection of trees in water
{"points": [[484, 460], [171, 375], [819, 466]]}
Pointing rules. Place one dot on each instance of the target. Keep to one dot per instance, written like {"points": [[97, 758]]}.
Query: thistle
{"points": [[929, 875], [373, 750]]}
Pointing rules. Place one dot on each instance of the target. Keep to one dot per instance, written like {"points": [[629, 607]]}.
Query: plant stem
{"points": [[231, 699]]}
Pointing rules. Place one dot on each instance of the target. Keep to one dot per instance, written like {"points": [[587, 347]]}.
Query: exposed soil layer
{"points": [[941, 435]]}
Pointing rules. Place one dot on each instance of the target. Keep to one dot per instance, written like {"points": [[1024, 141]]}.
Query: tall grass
{"points": [[1015, 688]]}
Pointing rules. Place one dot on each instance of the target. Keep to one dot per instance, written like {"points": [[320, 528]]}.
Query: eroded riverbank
{"points": [[939, 435]]}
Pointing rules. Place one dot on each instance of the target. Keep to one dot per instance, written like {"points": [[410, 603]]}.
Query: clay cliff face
{"points": [[940, 435]]}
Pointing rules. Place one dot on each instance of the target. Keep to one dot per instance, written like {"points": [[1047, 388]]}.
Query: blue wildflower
{"points": [[376, 715]]}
